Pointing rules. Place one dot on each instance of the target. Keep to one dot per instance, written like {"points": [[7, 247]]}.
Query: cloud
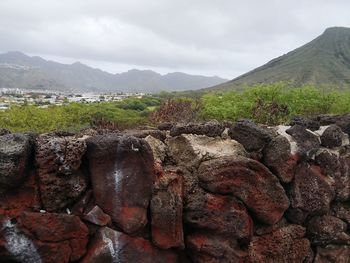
{"points": [[208, 37]]}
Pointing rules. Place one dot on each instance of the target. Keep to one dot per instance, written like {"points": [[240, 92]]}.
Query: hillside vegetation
{"points": [[270, 104], [323, 61]]}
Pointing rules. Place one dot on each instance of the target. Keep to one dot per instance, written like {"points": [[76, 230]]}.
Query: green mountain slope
{"points": [[323, 61]]}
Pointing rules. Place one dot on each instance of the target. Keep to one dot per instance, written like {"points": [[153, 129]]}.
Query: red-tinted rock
{"points": [[249, 181], [112, 246], [333, 254], [60, 180], [23, 198], [220, 214], [206, 248], [342, 211], [43, 237], [286, 244], [323, 230], [15, 154], [79, 207], [262, 229], [166, 209], [122, 174], [336, 164], [311, 193], [279, 158], [342, 181], [96, 216]]}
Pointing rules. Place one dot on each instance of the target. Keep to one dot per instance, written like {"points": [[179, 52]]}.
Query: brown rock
{"points": [[166, 210], [342, 211], [279, 158], [311, 193], [122, 174], [206, 248], [323, 230], [333, 254], [24, 198], [286, 244], [61, 181], [223, 215], [112, 246], [96, 216], [210, 129], [262, 229], [249, 181], [43, 237]]}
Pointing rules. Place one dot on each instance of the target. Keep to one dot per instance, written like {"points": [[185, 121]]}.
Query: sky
{"points": [[225, 38]]}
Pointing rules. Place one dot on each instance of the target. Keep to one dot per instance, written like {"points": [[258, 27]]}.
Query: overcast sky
{"points": [[208, 37]]}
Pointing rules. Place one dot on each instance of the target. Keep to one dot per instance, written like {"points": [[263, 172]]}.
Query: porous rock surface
{"points": [[122, 176], [194, 194]]}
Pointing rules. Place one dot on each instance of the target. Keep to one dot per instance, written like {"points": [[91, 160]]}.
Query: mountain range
{"points": [[323, 61], [20, 71]]}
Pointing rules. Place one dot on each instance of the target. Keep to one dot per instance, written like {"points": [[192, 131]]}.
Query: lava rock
{"points": [[336, 166], [166, 210], [263, 229], [159, 149], [210, 129], [190, 150], [249, 181], [122, 175], [343, 121], [333, 137], [333, 254], [160, 135], [250, 135], [96, 216], [219, 214], [61, 180], [112, 246], [214, 249], [43, 237], [305, 139], [279, 159], [15, 154], [286, 244], [23, 198], [310, 124], [166, 126], [324, 230], [311, 193], [342, 211], [4, 131]]}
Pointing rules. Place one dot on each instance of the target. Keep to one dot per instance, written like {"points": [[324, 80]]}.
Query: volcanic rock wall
{"points": [[180, 193]]}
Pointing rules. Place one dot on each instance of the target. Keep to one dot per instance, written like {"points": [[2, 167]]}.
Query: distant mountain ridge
{"points": [[323, 61], [18, 70]]}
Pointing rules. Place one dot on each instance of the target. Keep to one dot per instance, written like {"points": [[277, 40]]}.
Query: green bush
{"points": [[274, 103]]}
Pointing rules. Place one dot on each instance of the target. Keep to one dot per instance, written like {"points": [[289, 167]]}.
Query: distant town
{"points": [[45, 99]]}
